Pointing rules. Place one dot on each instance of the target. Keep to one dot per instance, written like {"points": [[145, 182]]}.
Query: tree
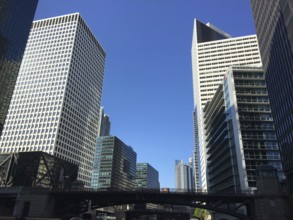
{"points": [[201, 214]]}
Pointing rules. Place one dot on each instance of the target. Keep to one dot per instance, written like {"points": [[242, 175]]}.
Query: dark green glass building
{"points": [[114, 165], [147, 177], [15, 22]]}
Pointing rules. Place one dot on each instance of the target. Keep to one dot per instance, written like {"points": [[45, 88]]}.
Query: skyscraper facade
{"points": [[15, 22], [240, 133], [196, 159], [213, 51], [104, 124], [184, 176], [114, 165], [274, 28], [56, 102], [147, 177]]}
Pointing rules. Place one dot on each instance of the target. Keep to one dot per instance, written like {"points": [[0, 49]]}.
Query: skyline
{"points": [[148, 112]]}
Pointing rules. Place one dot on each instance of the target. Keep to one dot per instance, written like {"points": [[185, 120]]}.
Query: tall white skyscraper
{"points": [[213, 52], [56, 101]]}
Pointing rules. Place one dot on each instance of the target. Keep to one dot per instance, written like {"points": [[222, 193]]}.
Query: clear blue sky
{"points": [[147, 88]]}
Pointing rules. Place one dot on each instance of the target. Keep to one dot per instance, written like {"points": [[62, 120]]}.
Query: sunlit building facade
{"points": [[240, 133], [56, 102], [213, 52], [104, 124], [184, 179]]}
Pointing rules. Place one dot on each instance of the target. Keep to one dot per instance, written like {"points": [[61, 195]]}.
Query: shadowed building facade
{"points": [[274, 28], [36, 169], [15, 22]]}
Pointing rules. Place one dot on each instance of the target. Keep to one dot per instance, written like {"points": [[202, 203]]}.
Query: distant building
{"points": [[15, 22], [274, 28], [213, 51], [184, 176], [104, 124], [56, 101], [240, 134], [114, 165], [147, 177]]}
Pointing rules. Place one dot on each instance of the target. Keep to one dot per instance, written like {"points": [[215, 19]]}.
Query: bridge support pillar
{"points": [[33, 203], [271, 207], [270, 201]]}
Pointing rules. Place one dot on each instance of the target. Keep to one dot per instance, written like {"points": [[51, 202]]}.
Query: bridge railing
{"points": [[162, 190], [13, 189]]}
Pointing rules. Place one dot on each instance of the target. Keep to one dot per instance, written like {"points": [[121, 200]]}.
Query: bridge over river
{"points": [[57, 202]]}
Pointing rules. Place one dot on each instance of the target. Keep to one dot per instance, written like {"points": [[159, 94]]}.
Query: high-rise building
{"points": [[147, 177], [104, 124], [15, 22], [114, 165], [274, 28], [56, 102], [213, 51], [184, 176], [240, 133]]}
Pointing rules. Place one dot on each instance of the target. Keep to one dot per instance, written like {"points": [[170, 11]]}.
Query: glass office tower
{"points": [[56, 102], [15, 22], [274, 28], [147, 177], [114, 165]]}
